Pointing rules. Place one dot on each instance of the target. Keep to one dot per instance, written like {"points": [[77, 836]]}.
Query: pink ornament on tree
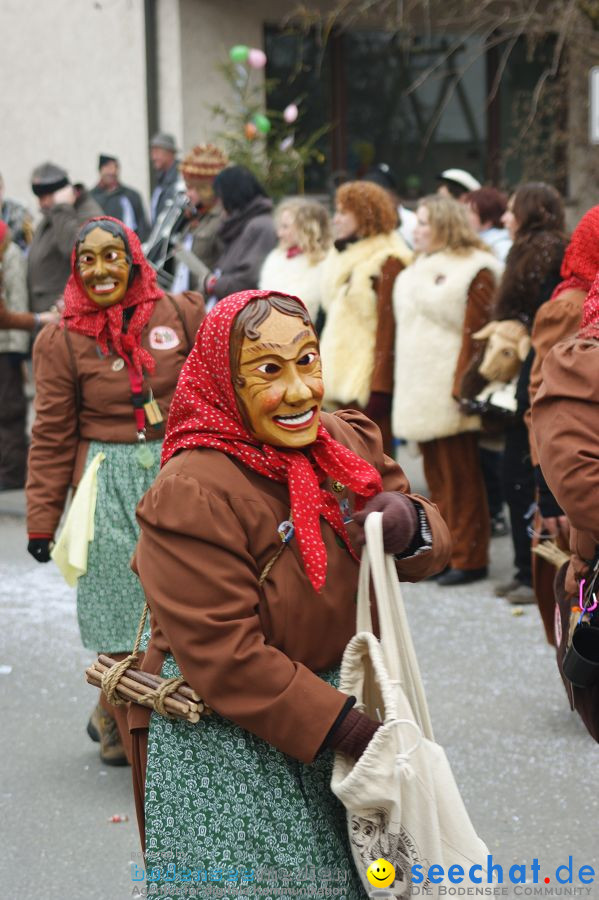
{"points": [[290, 113], [256, 58]]}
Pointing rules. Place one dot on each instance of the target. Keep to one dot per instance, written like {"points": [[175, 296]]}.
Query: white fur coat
{"points": [[347, 343], [297, 276], [429, 302]]}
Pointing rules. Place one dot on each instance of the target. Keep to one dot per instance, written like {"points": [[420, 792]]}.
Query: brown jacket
{"points": [[49, 257], [555, 321], [384, 348], [61, 431], [565, 420], [479, 308], [209, 527]]}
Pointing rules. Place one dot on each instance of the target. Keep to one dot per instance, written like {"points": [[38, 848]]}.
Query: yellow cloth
{"points": [[71, 548]]}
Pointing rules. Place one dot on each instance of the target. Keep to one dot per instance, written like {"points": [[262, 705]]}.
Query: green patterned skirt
{"points": [[110, 598], [228, 815]]}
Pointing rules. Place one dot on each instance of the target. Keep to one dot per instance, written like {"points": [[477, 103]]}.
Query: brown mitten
{"points": [[354, 734], [400, 519]]}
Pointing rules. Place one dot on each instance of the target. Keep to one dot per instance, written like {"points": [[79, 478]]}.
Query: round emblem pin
{"points": [[118, 364], [338, 487]]}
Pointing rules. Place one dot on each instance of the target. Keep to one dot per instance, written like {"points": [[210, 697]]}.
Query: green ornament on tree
{"points": [[262, 123], [239, 53]]}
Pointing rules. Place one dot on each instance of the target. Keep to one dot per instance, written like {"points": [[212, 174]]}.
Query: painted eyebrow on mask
{"points": [[83, 249], [274, 348]]}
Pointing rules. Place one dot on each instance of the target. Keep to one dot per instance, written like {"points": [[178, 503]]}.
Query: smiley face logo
{"points": [[380, 873]]}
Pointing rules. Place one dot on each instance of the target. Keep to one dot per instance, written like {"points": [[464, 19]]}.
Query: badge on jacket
{"points": [[163, 337]]}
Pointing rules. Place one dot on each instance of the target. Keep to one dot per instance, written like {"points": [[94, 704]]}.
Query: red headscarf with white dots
{"points": [[581, 259], [204, 413]]}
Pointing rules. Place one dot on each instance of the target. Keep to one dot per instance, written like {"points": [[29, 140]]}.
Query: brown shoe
{"points": [[94, 725], [112, 752]]}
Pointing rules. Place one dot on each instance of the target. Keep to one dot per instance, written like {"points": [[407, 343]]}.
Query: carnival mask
{"points": [[104, 267], [280, 382]]}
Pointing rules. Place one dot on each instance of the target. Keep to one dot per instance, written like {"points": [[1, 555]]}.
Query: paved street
{"points": [[524, 763]]}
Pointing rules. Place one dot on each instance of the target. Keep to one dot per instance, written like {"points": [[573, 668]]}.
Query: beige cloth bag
{"points": [[401, 797]]}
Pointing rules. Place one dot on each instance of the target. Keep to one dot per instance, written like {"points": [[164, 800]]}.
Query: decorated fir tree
{"points": [[263, 140]]}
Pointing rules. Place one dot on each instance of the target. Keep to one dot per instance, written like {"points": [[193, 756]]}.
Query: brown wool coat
{"points": [[565, 420], [61, 433], [555, 321], [479, 308], [208, 529]]}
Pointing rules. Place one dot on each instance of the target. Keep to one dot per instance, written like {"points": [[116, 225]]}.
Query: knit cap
{"points": [[204, 161]]}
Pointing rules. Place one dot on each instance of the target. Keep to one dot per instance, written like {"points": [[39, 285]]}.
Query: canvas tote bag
{"points": [[401, 798]]}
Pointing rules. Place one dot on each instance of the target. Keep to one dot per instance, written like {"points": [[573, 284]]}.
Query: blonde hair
{"points": [[450, 227], [312, 224]]}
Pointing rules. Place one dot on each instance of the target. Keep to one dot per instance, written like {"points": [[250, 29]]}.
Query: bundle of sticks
{"points": [[552, 553], [140, 687]]}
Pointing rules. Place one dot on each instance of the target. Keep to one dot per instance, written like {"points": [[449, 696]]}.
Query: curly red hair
{"points": [[370, 204]]}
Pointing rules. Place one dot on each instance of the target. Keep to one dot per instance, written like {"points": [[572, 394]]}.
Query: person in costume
{"points": [[565, 421], [105, 378], [255, 624], [557, 319], [535, 220], [198, 245], [357, 285], [296, 263], [440, 301]]}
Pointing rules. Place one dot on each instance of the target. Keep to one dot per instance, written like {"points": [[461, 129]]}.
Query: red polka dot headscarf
{"points": [[204, 413], [581, 259]]}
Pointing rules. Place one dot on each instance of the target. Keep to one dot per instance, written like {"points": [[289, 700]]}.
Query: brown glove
{"points": [[400, 520], [353, 734]]}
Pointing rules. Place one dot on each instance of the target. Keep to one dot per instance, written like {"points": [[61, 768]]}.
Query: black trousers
{"points": [[519, 492], [13, 417], [491, 463]]}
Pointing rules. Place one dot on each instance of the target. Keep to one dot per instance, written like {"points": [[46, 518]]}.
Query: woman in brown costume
{"points": [[557, 319], [105, 378], [255, 625], [565, 421]]}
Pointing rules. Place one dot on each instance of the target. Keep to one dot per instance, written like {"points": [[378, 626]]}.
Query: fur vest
{"points": [[347, 344], [297, 276], [429, 301]]}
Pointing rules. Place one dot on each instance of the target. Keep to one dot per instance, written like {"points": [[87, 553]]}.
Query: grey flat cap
{"points": [[166, 141]]}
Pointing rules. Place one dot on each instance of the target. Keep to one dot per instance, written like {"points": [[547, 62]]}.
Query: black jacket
{"points": [[114, 203]]}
